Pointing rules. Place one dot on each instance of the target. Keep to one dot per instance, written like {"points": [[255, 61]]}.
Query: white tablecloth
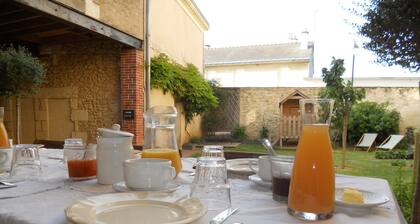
{"points": [[43, 201]]}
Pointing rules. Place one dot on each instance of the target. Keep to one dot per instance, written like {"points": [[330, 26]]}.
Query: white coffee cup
{"points": [[148, 173], [6, 156], [264, 167]]}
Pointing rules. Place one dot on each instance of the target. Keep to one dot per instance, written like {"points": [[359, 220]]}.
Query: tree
{"points": [[393, 28], [20, 74], [344, 94]]}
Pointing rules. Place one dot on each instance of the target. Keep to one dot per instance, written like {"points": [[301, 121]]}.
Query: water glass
{"points": [[212, 151], [26, 163], [210, 183], [281, 169]]}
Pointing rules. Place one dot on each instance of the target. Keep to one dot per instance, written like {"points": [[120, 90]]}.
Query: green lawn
{"points": [[358, 163]]}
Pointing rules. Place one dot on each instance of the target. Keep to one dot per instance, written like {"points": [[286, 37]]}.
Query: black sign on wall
{"points": [[128, 114]]}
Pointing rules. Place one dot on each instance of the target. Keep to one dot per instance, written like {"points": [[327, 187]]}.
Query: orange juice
{"points": [[312, 185], [4, 139], [170, 154]]}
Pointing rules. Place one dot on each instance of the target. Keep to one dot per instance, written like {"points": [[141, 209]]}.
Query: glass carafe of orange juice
{"points": [[4, 139], [160, 137], [312, 186]]}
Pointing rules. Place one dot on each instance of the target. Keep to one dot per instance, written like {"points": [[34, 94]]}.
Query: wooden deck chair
{"points": [[366, 141], [391, 142]]}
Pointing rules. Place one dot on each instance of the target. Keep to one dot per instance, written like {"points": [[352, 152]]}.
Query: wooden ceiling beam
{"points": [[5, 21], [32, 29], [26, 24], [13, 11]]}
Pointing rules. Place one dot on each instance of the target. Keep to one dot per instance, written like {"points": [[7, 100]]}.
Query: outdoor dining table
{"points": [[43, 201]]}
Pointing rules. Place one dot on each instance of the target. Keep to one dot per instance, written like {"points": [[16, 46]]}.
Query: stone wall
{"points": [[260, 106], [93, 69], [81, 93]]}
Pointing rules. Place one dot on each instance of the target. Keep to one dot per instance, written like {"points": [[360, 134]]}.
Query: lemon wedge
{"points": [[351, 195]]}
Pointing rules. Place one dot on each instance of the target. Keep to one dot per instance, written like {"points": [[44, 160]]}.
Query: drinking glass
{"points": [[81, 161], [210, 183], [281, 170], [212, 151], [312, 186], [26, 163]]}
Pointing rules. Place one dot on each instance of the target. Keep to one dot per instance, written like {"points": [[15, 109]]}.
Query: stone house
{"points": [[266, 82], [94, 54]]}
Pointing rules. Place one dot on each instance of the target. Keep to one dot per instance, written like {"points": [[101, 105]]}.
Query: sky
{"points": [[329, 23]]}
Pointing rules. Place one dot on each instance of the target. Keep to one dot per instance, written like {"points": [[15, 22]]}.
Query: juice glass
{"points": [[312, 186], [169, 154], [81, 160], [160, 137], [4, 139]]}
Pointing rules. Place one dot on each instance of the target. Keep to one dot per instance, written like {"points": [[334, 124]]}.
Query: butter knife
{"points": [[6, 185], [221, 217]]}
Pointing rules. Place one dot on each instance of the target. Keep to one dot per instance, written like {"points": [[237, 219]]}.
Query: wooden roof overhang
{"points": [[295, 95], [45, 21]]}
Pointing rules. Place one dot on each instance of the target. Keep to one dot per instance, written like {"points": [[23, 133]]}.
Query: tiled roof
{"points": [[256, 54]]}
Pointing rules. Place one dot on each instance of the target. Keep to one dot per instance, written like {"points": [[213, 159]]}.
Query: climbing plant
{"points": [[185, 83]]}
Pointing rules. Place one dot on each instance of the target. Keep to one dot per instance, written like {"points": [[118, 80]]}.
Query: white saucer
{"points": [[240, 166], [121, 187], [371, 199], [257, 179]]}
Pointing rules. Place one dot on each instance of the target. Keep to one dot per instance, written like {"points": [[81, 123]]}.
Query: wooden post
{"points": [[416, 180], [281, 126]]}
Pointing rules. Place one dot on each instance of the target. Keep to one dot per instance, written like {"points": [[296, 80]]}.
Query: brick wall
{"points": [[132, 91]]}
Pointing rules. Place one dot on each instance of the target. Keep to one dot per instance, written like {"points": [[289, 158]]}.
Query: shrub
{"points": [[20, 72], [397, 154], [403, 192], [409, 135], [398, 162], [371, 117], [408, 140], [264, 132], [238, 133]]}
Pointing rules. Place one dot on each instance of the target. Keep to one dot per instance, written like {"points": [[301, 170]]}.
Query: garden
{"points": [[352, 118]]}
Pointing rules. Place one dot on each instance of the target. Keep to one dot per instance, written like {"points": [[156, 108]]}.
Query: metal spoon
{"points": [[267, 145]]}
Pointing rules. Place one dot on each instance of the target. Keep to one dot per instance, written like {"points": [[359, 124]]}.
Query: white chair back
{"points": [[391, 142], [367, 140]]}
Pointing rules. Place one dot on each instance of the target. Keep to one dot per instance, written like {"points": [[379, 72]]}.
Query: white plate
{"points": [[257, 179], [371, 199], [135, 208], [121, 187], [240, 166]]}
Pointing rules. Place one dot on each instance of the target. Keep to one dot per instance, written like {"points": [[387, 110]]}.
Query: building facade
{"points": [[93, 51], [267, 81]]}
